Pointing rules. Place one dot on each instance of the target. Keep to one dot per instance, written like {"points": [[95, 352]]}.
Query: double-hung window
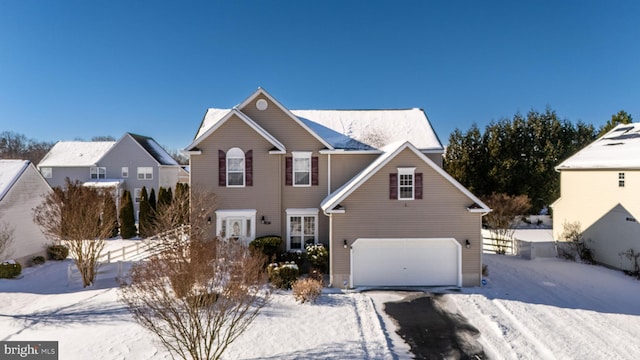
{"points": [[235, 167], [145, 173], [301, 168], [98, 173], [46, 172], [406, 183], [302, 228], [125, 171]]}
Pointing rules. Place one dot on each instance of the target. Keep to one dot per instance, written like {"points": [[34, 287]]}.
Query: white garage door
{"points": [[405, 262]]}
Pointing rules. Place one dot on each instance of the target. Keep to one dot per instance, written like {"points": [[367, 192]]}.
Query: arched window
{"points": [[235, 167]]}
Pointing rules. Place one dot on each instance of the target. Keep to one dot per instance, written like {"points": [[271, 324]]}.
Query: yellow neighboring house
{"points": [[600, 189]]}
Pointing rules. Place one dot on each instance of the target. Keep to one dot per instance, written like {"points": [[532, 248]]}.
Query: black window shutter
{"points": [[314, 170], [393, 186], [288, 171], [248, 168], [222, 168], [418, 185]]}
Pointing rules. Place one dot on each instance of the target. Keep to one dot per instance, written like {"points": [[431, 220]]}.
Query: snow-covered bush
{"points": [[318, 257], [10, 269], [307, 290], [283, 275]]}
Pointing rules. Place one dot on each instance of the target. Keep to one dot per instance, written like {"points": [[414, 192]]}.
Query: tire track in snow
{"points": [[374, 343], [540, 348]]}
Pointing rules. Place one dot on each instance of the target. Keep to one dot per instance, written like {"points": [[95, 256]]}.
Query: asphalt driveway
{"points": [[430, 331]]}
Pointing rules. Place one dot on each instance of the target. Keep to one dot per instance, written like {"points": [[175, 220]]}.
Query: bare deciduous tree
{"points": [[502, 218], [200, 293], [6, 241], [75, 216]]}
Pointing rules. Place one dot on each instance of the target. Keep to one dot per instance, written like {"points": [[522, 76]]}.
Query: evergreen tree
{"points": [[145, 223], [516, 156], [110, 212], [152, 199], [622, 117], [127, 217]]}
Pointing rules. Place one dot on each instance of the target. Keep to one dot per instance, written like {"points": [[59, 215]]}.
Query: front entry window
{"points": [[302, 228], [236, 225]]}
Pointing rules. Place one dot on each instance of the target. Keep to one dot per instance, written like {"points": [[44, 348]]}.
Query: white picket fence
{"points": [[137, 251]]}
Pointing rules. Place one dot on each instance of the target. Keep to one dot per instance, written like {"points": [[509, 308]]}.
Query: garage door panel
{"points": [[405, 262]]}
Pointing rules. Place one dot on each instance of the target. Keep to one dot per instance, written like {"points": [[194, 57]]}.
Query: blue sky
{"points": [[78, 69]]}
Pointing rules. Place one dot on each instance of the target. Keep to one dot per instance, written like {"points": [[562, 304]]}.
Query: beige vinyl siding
{"points": [[346, 166], [587, 195], [295, 138], [264, 195], [277, 123], [441, 213], [16, 209]]}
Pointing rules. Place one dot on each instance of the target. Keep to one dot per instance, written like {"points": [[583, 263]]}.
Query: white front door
{"points": [[236, 224]]}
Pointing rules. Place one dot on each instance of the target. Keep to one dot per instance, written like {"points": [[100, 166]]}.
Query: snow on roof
{"points": [[617, 149], [154, 149], [10, 171], [376, 128], [357, 129], [75, 153]]}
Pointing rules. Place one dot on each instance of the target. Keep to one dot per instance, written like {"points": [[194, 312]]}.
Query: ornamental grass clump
{"points": [[307, 290], [283, 275]]}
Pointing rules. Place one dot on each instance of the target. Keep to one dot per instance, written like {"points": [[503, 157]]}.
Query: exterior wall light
{"points": [[344, 243], [467, 243]]}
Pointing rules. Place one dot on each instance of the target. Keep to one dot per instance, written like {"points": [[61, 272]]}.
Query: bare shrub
{"points": [[632, 256], [575, 244], [6, 241], [75, 216], [307, 290], [502, 218], [200, 293]]}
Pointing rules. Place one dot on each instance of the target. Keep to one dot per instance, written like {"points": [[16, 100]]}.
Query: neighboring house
{"points": [[600, 188], [22, 188], [133, 162], [366, 183]]}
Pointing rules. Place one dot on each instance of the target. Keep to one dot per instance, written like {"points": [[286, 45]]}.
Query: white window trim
{"points": [[97, 170], [46, 172], [250, 214], [142, 170], [309, 212], [137, 192], [407, 171], [125, 171], [236, 153], [301, 155]]}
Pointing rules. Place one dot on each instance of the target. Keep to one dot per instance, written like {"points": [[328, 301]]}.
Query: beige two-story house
{"points": [[599, 189], [368, 184]]}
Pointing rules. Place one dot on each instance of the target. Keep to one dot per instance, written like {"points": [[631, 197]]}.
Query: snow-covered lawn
{"points": [[541, 309], [553, 309]]}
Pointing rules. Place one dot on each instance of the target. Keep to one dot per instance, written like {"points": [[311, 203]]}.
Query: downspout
{"points": [[328, 174]]}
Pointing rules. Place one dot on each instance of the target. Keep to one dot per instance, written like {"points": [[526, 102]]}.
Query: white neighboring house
{"points": [[600, 189], [22, 188]]}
